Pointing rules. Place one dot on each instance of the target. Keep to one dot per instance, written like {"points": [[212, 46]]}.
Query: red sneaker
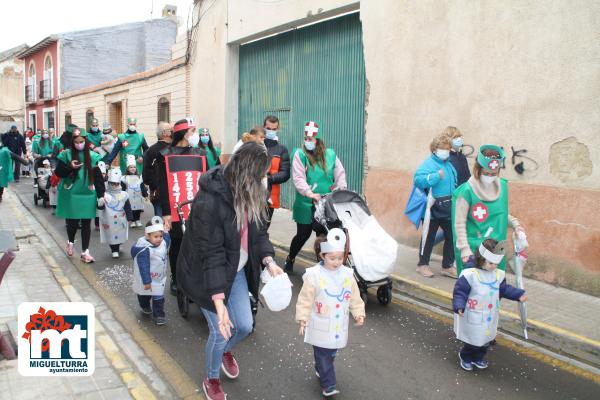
{"points": [[213, 390], [230, 366]]}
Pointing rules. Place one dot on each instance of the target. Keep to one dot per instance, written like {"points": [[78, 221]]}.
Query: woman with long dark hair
{"points": [[316, 170], [182, 160], [212, 152], [225, 246], [79, 191]]}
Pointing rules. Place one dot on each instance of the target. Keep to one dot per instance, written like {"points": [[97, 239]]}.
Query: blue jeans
{"points": [[240, 315], [157, 208], [324, 359], [158, 304], [470, 353]]}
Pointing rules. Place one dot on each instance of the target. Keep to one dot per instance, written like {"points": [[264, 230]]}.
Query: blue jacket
{"points": [[427, 176], [462, 289], [143, 259]]}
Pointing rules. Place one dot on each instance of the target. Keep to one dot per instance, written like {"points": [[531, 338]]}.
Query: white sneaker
{"points": [[115, 254], [132, 225], [138, 224]]}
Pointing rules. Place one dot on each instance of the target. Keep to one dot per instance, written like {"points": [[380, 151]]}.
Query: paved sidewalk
{"points": [[35, 275], [563, 315]]}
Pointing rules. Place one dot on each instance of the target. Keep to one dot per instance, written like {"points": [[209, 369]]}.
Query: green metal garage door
{"points": [[313, 73]]}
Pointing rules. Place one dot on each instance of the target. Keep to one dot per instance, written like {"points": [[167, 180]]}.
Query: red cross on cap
{"points": [[479, 212], [493, 165], [311, 129]]}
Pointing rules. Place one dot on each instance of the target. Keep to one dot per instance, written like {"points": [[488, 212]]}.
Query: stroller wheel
{"points": [[183, 304], [384, 294], [35, 199]]}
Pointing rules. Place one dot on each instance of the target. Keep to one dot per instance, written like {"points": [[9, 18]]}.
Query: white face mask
{"points": [[442, 154], [457, 143], [271, 134], [132, 128], [310, 146], [487, 180], [265, 183], [194, 139]]}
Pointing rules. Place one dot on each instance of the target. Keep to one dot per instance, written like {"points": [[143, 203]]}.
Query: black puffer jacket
{"points": [[210, 251]]}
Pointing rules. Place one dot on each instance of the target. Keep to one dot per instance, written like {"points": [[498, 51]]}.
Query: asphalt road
{"points": [[398, 354]]}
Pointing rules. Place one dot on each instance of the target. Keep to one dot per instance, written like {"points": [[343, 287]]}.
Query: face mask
{"points": [[94, 129], [194, 139], [272, 135], [310, 146], [132, 128], [457, 143], [205, 139], [442, 154], [487, 180], [45, 136], [265, 183], [80, 146]]}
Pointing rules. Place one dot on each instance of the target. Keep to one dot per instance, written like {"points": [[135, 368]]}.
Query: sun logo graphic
{"points": [[56, 339]]}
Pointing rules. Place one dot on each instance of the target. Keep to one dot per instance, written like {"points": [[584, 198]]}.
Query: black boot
{"points": [[158, 311], [173, 286], [289, 265]]}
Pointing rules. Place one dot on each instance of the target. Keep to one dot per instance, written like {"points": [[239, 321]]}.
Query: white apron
{"points": [[158, 268], [113, 220], [479, 324], [134, 190], [328, 323]]}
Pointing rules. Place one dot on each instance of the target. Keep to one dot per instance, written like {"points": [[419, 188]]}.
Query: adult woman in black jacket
{"points": [[224, 248]]}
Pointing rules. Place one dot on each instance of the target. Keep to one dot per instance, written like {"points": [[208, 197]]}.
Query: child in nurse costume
{"points": [[476, 303], [150, 269], [113, 213], [328, 294], [136, 190]]}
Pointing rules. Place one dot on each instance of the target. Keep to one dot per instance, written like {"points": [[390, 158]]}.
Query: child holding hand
{"points": [[328, 294], [476, 303]]}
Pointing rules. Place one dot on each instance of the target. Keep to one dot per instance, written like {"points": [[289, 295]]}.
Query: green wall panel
{"points": [[313, 73]]}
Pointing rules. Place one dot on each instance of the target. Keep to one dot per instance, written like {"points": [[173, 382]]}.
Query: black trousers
{"points": [[470, 353], [448, 258], [136, 214], [17, 170], [86, 231], [270, 212], [114, 248], [303, 232], [176, 238]]}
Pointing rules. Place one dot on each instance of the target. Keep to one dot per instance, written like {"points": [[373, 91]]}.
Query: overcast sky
{"points": [[29, 21]]}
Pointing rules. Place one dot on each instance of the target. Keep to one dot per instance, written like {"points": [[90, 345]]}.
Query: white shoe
{"points": [[138, 224], [132, 225], [115, 254]]}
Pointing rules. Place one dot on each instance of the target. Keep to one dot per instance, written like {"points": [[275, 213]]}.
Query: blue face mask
{"points": [[269, 134], [205, 139], [94, 129], [458, 143], [310, 146]]}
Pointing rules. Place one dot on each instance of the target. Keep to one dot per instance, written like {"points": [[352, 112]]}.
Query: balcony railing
{"points": [[29, 93], [45, 89]]}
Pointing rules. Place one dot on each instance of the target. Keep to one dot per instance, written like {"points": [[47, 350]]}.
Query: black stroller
{"points": [[43, 182], [355, 207], [183, 300]]}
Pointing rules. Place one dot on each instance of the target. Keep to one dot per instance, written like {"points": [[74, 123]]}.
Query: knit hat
{"points": [[336, 241], [491, 163], [114, 175], [311, 129], [157, 225]]}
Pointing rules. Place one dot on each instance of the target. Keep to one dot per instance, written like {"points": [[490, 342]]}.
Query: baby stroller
{"points": [[183, 300], [371, 251], [43, 187]]}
